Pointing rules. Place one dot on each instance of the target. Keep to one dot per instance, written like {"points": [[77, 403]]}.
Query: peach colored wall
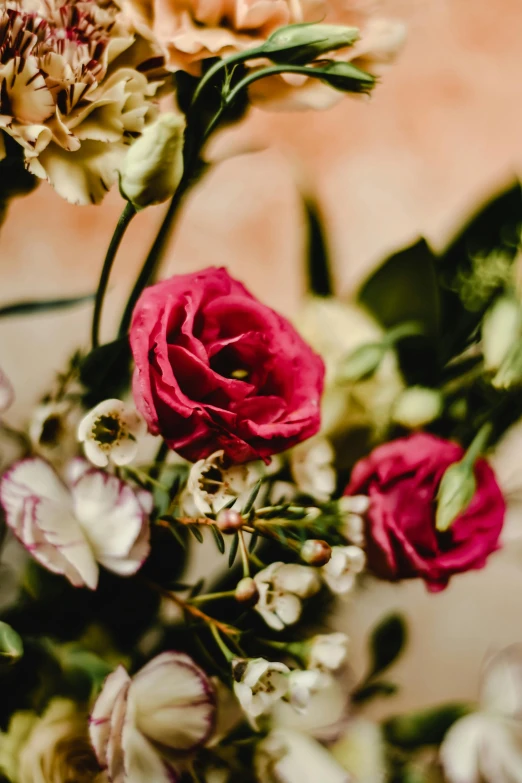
{"points": [[443, 129]]}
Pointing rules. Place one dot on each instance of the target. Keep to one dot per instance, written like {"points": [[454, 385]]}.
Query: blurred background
{"points": [[441, 134]]}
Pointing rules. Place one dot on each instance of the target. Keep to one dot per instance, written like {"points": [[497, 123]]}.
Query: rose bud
{"points": [[302, 43], [500, 330], [153, 166], [316, 552], [247, 592], [417, 406], [456, 491], [229, 521]]}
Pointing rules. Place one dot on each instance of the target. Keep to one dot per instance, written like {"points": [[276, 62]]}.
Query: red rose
{"points": [[402, 479], [216, 369]]}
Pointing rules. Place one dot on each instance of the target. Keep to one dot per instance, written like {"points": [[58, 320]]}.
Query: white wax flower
{"points": [[327, 652], [342, 568], [212, 484], [143, 727], [311, 465], [72, 528], [353, 507], [302, 685], [287, 756], [281, 587], [259, 684], [111, 431], [486, 746]]}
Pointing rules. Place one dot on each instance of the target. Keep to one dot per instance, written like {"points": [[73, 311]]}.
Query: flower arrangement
{"points": [[375, 439]]}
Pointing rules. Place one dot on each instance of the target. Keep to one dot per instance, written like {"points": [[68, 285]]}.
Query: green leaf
{"points": [[196, 532], [253, 542], [11, 645], [234, 546], [32, 306], [405, 288], [218, 537], [251, 498], [374, 690], [386, 643], [426, 727], [105, 372], [319, 274]]}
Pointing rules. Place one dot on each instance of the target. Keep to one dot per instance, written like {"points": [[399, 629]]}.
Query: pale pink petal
{"points": [[129, 564], [100, 720], [175, 702], [143, 763]]}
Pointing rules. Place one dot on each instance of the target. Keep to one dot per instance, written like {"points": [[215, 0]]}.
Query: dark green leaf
{"points": [[318, 262], [427, 727], [105, 372], [252, 498], [32, 306], [386, 643], [196, 532], [253, 541], [234, 546], [173, 527], [373, 690], [218, 537], [197, 588]]}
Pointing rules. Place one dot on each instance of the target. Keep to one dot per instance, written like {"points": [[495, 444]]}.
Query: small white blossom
{"points": [[327, 652], [340, 571], [140, 728], [311, 465], [353, 508], [302, 685], [211, 484], [259, 684], [52, 431], [281, 587], [72, 528], [112, 431]]}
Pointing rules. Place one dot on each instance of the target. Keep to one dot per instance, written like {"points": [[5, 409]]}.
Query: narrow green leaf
{"points": [[374, 690], [197, 588], [386, 643], [11, 645], [252, 498], [253, 542], [426, 727], [196, 532], [218, 537], [318, 261], [32, 306], [234, 546]]}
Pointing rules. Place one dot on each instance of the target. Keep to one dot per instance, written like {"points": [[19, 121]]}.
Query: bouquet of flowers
{"points": [[188, 500]]}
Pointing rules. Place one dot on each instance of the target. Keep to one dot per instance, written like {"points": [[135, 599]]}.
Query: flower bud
{"points": [[302, 43], [11, 646], [247, 592], [510, 371], [346, 77], [500, 330], [455, 493], [153, 166], [362, 362], [316, 552], [229, 521], [417, 406]]}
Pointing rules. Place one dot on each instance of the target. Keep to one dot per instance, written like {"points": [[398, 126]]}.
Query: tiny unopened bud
{"points": [[302, 43], [153, 166], [455, 493], [247, 592], [500, 330], [229, 520], [510, 371], [316, 552], [346, 77], [11, 646], [417, 406], [362, 362]]}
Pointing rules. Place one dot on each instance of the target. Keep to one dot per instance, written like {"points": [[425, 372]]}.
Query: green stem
{"points": [[201, 599], [125, 218], [235, 59], [478, 444], [244, 554], [227, 652]]}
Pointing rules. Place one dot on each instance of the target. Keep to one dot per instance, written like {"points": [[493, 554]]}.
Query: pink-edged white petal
{"points": [[100, 721], [113, 520], [143, 763], [38, 508], [175, 702], [6, 392]]}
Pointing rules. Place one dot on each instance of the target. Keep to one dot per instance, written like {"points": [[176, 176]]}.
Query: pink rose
{"points": [[402, 479], [216, 369]]}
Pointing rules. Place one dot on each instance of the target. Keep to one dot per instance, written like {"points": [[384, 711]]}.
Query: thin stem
{"points": [[478, 444], [201, 599], [155, 254], [224, 628], [235, 59], [121, 227], [244, 554], [227, 652]]}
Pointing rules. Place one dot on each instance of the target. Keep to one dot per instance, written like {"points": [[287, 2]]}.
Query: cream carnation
{"points": [[70, 91]]}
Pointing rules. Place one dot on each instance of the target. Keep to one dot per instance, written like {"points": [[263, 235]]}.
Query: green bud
{"points": [[500, 331], [153, 166], [302, 43], [417, 406], [11, 645], [510, 371], [346, 77], [362, 362], [455, 493]]}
